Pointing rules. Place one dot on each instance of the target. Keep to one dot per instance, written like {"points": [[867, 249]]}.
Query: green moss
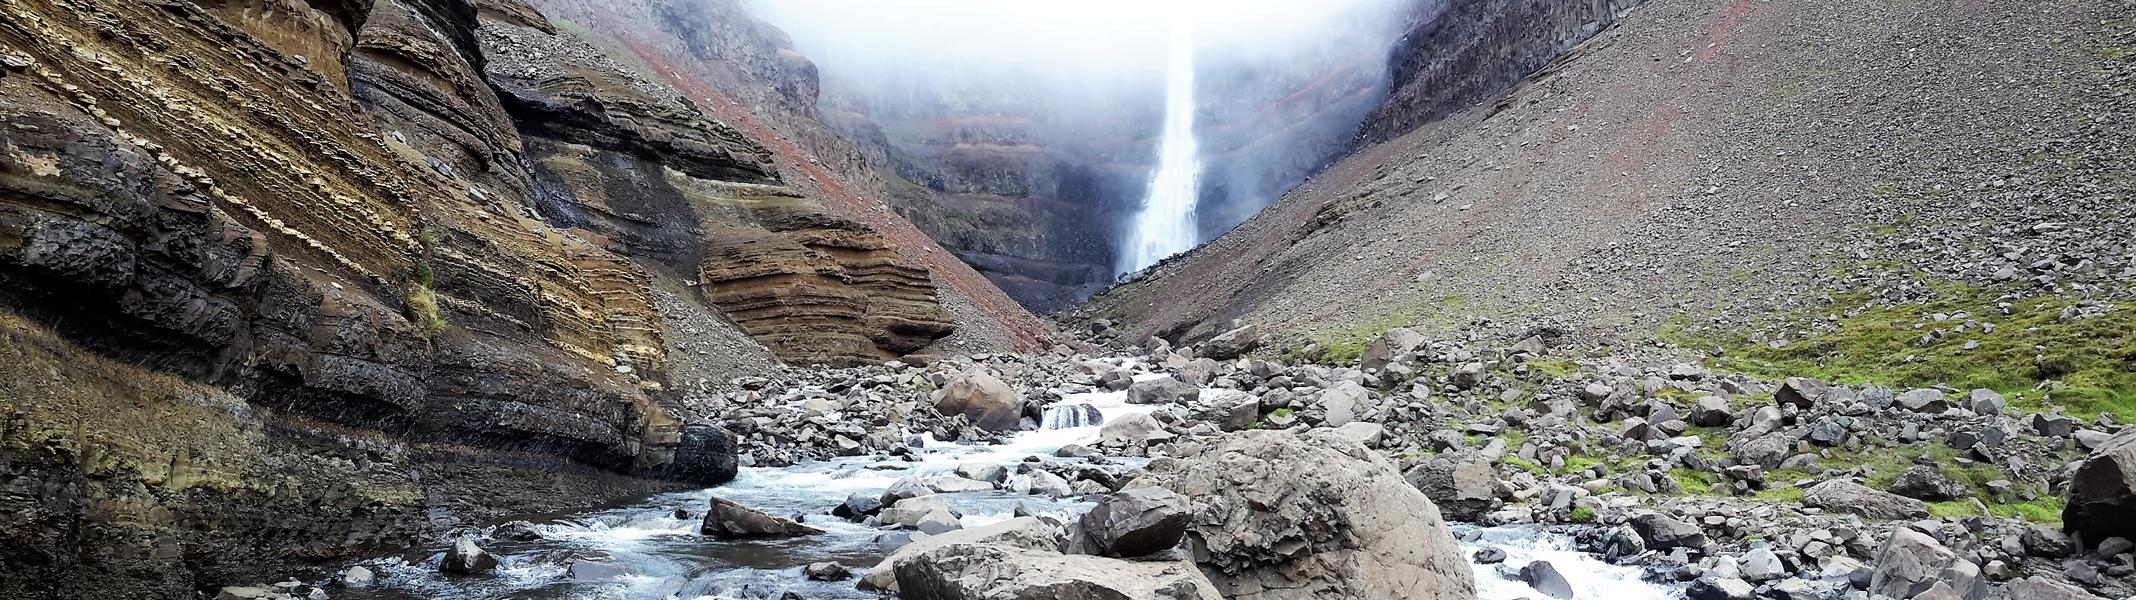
{"points": [[1555, 368], [1953, 509], [1693, 483], [1524, 465], [1780, 493], [2045, 510], [1583, 514], [2087, 365]]}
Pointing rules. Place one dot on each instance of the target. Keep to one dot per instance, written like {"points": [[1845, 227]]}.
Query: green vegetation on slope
{"points": [[2085, 364]]}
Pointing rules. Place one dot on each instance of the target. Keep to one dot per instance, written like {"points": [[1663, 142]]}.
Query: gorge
{"points": [[980, 299]]}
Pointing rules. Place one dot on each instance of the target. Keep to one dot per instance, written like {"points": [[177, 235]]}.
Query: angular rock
{"points": [[827, 571], [1924, 482], [726, 519], [1711, 411], [2042, 588], [1231, 344], [1463, 488], [1840, 495], [1663, 532], [1800, 392], [466, 558], [1911, 562], [990, 572], [1383, 349], [1137, 522], [1343, 402], [1923, 400], [1133, 429], [2102, 493], [1545, 578], [1985, 402], [984, 400], [1281, 515], [1020, 532], [1162, 390], [1720, 588]]}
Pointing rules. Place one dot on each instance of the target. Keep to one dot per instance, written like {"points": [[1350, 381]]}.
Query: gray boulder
{"points": [[1281, 515], [1840, 495], [466, 558], [1802, 392], [2041, 588], [1711, 411], [1464, 488], [2102, 493], [728, 520], [1132, 429], [1230, 410], [1383, 349], [991, 572], [1020, 532], [1911, 562], [1162, 390], [984, 400], [1137, 522], [1720, 588], [1663, 532], [1231, 344], [1923, 400], [1985, 402], [1924, 482], [1343, 403], [1545, 578]]}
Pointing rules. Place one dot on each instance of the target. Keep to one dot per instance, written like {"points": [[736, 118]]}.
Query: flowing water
{"points": [[663, 557], [1165, 225]]}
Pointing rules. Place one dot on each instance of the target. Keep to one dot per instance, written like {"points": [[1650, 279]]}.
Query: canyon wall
{"points": [[285, 282]]}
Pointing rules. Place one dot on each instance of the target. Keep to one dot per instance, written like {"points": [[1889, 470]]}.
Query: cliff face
{"points": [[280, 279], [1458, 53]]}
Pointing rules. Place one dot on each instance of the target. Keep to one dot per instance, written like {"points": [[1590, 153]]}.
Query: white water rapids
{"points": [[1165, 226], [666, 558]]}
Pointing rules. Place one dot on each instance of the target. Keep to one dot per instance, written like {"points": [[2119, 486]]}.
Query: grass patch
{"points": [[1780, 493], [1555, 368], [1693, 483], [2045, 510], [2087, 365], [1583, 514], [423, 310], [1526, 465]]}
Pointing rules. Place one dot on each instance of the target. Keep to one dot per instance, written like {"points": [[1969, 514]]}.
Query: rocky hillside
{"points": [[289, 281], [1712, 172]]}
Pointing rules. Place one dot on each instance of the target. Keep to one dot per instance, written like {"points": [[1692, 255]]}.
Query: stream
{"points": [[640, 550]]}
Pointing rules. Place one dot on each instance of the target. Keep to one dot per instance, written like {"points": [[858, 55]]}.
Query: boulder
{"points": [[992, 572], [705, 454], [466, 558], [1162, 390], [1663, 532], [1760, 565], [1911, 562], [1280, 515], [985, 401], [987, 472], [357, 577], [728, 520], [1545, 578], [1467, 376], [1020, 532], [2042, 588], [1133, 429], [1840, 495], [1711, 411], [1801, 392], [1229, 410], [1344, 403], [1231, 344], [2102, 493], [1923, 400], [827, 571], [517, 531], [1985, 402], [1368, 434], [1383, 349], [1136, 522], [1720, 588], [1464, 488], [1924, 482]]}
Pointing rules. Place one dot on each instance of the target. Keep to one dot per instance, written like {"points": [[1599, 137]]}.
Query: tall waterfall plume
{"points": [[1165, 225]]}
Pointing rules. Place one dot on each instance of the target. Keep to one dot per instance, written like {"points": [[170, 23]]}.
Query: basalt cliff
{"points": [[288, 281]]}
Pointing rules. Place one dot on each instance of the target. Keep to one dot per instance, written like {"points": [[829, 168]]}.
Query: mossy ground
{"points": [[2034, 355]]}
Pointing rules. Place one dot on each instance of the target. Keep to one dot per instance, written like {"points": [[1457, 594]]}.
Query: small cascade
{"points": [[1071, 416]]}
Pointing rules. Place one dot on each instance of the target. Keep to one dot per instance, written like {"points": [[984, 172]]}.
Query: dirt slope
{"points": [[1709, 162]]}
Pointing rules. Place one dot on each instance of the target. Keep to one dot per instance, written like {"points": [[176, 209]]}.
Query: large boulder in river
{"points": [[466, 558], [1840, 495], [1280, 515], [1163, 390], [1132, 429], [2102, 494], [984, 400], [728, 520], [1231, 344], [1136, 522], [990, 572], [1020, 532], [704, 455]]}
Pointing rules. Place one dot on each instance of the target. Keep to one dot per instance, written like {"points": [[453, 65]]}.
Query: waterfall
{"points": [[1165, 225], [1071, 416]]}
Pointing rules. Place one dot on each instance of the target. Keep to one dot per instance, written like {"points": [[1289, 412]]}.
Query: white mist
{"points": [[1165, 225]]}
